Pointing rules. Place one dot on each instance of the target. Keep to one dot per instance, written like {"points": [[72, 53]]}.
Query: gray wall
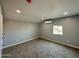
{"points": [[70, 27], [15, 32]]}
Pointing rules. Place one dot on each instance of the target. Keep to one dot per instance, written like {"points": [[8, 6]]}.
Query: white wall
{"points": [[0, 31], [16, 32]]}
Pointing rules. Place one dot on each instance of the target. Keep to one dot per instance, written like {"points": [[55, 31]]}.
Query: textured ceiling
{"points": [[38, 9]]}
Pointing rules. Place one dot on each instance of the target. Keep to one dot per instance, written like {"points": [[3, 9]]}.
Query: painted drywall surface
{"points": [[0, 31], [15, 32], [70, 30]]}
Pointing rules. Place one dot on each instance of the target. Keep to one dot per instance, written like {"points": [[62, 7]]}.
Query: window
{"points": [[58, 30]]}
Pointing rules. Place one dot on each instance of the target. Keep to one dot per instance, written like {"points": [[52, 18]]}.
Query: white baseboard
{"points": [[73, 46], [43, 38], [18, 43]]}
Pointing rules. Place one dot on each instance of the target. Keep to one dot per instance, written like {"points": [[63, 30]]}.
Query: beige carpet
{"points": [[39, 48]]}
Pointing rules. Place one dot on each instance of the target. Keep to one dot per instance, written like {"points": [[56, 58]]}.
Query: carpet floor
{"points": [[40, 48]]}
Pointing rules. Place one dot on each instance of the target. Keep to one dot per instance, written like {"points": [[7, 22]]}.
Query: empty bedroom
{"points": [[39, 28]]}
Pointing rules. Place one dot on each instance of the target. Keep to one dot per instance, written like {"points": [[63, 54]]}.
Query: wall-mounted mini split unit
{"points": [[48, 22]]}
